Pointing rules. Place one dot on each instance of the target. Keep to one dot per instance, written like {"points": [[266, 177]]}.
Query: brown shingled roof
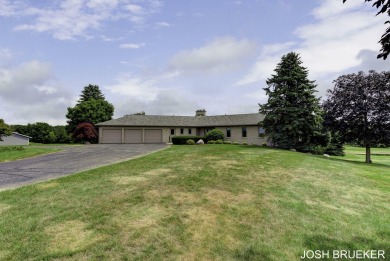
{"points": [[185, 121]]}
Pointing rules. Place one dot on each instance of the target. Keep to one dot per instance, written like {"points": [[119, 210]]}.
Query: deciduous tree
{"points": [[41, 132], [358, 109], [293, 116], [5, 130], [92, 111]]}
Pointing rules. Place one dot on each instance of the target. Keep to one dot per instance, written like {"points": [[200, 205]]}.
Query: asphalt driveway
{"points": [[71, 159]]}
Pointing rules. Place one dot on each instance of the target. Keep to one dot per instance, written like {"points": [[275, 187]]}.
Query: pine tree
{"points": [[293, 116], [91, 92]]}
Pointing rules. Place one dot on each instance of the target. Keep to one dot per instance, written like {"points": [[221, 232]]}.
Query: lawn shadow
{"points": [[359, 163]]}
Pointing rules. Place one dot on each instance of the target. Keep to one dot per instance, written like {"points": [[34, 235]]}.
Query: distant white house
{"points": [[15, 139]]}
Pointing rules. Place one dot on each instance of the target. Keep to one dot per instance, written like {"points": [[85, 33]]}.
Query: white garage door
{"points": [[153, 136], [133, 136], [112, 136]]}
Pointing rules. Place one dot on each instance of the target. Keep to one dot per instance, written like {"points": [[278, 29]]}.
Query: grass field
{"points": [[22, 154], [212, 202]]}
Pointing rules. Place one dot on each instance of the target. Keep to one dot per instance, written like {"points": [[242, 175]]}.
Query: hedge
{"points": [[11, 148], [182, 140]]}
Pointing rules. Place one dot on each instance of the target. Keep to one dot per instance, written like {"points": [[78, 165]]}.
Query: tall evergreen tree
{"points": [[91, 92], [293, 116]]}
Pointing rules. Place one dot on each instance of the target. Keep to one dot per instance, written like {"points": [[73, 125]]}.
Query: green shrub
{"points": [[264, 144], [227, 142], [318, 150], [211, 142], [235, 143], [190, 142], [182, 140], [11, 148], [214, 135], [335, 150], [313, 149], [219, 142], [245, 143]]}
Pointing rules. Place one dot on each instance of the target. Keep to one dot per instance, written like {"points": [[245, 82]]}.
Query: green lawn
{"points": [[211, 202], [22, 154], [378, 155]]}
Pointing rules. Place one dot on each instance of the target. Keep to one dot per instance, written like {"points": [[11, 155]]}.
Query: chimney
{"points": [[201, 112]]}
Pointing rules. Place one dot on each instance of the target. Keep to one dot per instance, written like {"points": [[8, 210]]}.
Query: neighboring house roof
{"points": [[186, 121], [21, 135]]}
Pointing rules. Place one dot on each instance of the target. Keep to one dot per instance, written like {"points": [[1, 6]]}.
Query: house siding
{"points": [[14, 140], [252, 135]]}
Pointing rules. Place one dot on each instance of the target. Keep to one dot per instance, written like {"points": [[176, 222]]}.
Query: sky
{"points": [[173, 57]]}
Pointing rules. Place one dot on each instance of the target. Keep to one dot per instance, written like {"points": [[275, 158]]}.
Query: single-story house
{"points": [[15, 139], [160, 129]]}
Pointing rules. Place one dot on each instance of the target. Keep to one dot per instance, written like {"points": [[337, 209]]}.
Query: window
{"points": [[261, 132], [181, 131], [243, 132], [172, 131], [228, 133], [189, 131]]}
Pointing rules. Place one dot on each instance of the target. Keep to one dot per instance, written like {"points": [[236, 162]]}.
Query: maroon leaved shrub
{"points": [[86, 132]]}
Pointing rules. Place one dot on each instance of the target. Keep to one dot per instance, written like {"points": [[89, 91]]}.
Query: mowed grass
{"points": [[26, 153], [378, 155], [211, 202]]}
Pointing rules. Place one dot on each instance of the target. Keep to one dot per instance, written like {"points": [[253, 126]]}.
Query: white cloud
{"points": [[136, 87], [329, 46], [368, 61], [136, 9], [261, 70], [131, 46], [28, 90], [220, 55], [9, 8], [102, 4], [163, 104], [142, 93], [110, 39], [334, 8], [162, 24], [70, 19]]}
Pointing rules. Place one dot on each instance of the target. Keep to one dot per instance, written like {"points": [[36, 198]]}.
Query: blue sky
{"points": [[172, 57]]}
